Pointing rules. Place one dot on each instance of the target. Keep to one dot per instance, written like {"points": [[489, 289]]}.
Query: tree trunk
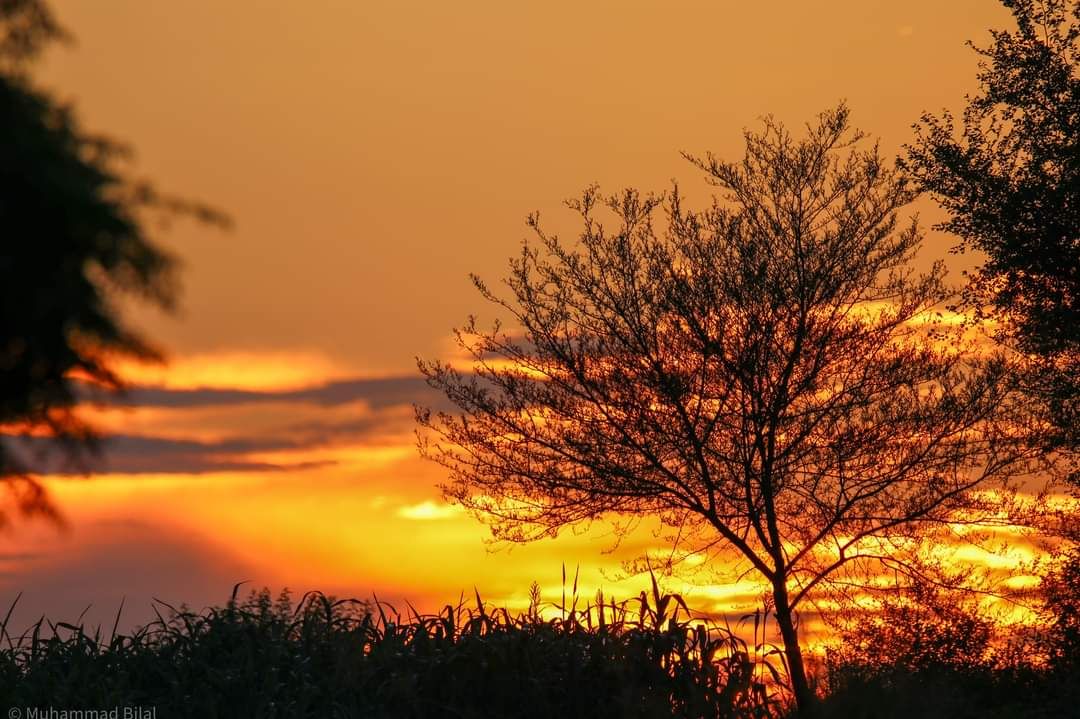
{"points": [[804, 697]]}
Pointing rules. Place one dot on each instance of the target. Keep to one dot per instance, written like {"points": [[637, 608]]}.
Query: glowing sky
{"points": [[373, 153]]}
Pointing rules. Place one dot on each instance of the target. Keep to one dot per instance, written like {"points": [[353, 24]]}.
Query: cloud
{"points": [[184, 430], [233, 370], [377, 392], [428, 510], [131, 454]]}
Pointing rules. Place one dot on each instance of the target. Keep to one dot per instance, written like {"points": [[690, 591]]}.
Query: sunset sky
{"points": [[372, 153]]}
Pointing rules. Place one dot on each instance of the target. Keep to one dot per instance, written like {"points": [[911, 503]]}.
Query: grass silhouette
{"points": [[320, 656]]}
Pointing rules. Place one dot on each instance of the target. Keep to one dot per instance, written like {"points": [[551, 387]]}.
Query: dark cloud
{"points": [[388, 398], [378, 393], [129, 454]]}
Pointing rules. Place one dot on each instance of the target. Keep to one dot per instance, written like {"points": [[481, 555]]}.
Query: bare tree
{"points": [[765, 375]]}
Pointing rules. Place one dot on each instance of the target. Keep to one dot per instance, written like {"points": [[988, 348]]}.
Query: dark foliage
{"points": [[1009, 177], [69, 230], [26, 27], [921, 628], [931, 653], [342, 658], [326, 658], [74, 238], [1061, 590], [945, 692]]}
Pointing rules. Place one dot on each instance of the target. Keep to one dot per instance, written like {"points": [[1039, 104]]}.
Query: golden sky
{"points": [[372, 153]]}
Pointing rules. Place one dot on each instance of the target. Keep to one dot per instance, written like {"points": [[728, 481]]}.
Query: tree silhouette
{"points": [[1009, 177], [920, 630], [74, 237], [1063, 611], [764, 376]]}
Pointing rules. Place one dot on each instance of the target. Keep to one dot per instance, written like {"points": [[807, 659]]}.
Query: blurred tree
{"points": [[74, 237], [1010, 180], [26, 27], [766, 377]]}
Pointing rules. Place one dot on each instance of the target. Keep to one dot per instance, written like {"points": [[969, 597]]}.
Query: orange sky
{"points": [[372, 154]]}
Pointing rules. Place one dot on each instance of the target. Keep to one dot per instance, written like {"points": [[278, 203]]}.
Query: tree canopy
{"points": [[1009, 176], [767, 376], [74, 238]]}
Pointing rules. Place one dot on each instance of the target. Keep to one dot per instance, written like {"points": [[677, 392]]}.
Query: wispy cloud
{"points": [[201, 430], [376, 392], [132, 454]]}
